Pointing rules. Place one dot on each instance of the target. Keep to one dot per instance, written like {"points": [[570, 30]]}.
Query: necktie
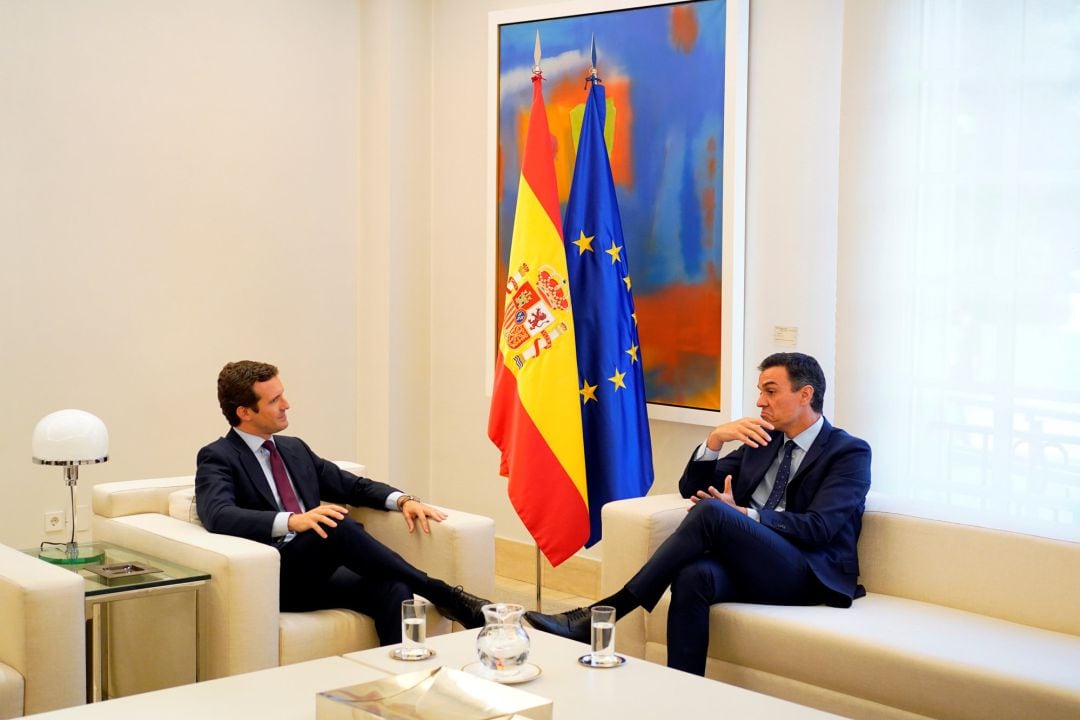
{"points": [[281, 479], [782, 477]]}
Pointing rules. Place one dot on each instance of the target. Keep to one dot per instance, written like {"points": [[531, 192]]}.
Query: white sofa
{"points": [[241, 626], [42, 636], [959, 622]]}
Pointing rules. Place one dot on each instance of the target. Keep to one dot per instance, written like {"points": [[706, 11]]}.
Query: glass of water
{"points": [[603, 636], [413, 630]]}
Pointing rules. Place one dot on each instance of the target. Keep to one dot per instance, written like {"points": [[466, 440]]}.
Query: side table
{"points": [[123, 574]]}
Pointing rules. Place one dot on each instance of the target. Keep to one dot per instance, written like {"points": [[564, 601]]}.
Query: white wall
{"points": [[320, 166], [178, 188], [394, 282]]}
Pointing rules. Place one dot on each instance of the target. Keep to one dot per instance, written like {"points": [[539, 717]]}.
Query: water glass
{"points": [[413, 629], [603, 636]]}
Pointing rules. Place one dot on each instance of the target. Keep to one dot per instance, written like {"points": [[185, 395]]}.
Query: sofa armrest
{"points": [[42, 636], [459, 550], [239, 612], [131, 497], [633, 529]]}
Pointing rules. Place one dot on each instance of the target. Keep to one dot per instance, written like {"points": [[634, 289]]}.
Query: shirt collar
{"points": [[807, 437], [252, 441]]}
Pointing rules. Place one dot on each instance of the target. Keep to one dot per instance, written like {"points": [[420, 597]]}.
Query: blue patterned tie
{"points": [[782, 477]]}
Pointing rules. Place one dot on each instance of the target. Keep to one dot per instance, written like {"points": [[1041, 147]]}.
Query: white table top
{"points": [[637, 689], [283, 693]]}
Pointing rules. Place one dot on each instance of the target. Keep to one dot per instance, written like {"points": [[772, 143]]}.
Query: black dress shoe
{"points": [[465, 608], [572, 625]]}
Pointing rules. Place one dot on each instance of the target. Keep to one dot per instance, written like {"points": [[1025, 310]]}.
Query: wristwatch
{"points": [[406, 498]]}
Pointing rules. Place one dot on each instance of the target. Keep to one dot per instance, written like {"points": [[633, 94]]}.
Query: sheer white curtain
{"points": [[958, 308]]}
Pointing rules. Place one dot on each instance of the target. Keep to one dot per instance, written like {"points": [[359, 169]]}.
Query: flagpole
{"points": [[539, 584]]}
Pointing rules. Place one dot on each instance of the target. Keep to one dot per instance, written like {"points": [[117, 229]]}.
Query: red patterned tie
{"points": [[281, 479]]}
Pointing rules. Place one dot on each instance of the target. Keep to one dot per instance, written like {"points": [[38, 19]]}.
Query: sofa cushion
{"points": [[323, 633], [907, 654], [11, 692], [182, 505]]}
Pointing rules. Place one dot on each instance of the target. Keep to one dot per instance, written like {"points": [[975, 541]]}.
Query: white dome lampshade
{"points": [[70, 437]]}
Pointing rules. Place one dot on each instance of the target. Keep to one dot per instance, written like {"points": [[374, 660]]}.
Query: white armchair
{"points": [[241, 626], [42, 636]]}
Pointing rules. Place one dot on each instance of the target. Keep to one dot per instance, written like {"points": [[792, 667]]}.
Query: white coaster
{"points": [[525, 673], [396, 653], [587, 661]]}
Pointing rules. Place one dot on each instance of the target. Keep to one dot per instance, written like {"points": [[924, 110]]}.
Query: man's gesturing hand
{"points": [[316, 517], [748, 430], [418, 512], [726, 497]]}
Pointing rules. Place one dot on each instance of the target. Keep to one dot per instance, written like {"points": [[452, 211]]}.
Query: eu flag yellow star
{"points": [[587, 392], [632, 352], [617, 378], [584, 243], [614, 251]]}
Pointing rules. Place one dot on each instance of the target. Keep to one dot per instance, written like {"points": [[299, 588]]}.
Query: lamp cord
{"points": [[71, 490]]}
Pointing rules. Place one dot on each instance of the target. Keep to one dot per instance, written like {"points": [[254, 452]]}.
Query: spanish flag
{"points": [[535, 417]]}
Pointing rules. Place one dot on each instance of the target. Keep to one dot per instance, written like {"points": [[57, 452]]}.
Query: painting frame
{"points": [[732, 222]]}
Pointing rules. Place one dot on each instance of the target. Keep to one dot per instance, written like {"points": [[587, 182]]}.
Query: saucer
{"points": [[396, 653], [586, 660], [525, 673]]}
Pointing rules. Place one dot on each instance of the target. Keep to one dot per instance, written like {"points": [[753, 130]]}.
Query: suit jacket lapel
{"points": [[813, 453], [252, 469]]}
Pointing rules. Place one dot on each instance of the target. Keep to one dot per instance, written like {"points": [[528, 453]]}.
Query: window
{"points": [[958, 318]]}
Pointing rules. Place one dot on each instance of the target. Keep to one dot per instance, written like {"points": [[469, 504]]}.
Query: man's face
{"points": [[785, 408], [269, 416]]}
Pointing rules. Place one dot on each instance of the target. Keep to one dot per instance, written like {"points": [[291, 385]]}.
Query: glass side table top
{"points": [[123, 569]]}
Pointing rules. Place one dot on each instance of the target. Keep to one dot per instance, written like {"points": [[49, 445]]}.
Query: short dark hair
{"points": [[802, 370], [236, 386]]}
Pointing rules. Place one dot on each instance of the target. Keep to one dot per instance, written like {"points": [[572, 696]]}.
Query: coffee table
{"points": [[636, 689], [282, 693]]}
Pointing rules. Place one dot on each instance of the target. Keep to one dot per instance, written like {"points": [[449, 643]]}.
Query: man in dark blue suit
{"points": [[271, 488], [782, 530]]}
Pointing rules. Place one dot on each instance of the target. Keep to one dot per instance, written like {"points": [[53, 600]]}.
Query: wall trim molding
{"points": [[577, 575]]}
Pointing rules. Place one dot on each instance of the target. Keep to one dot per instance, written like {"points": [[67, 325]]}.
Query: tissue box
{"points": [[442, 693]]}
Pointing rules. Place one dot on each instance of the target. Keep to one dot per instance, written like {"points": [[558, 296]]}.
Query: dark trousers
{"points": [[348, 569], [717, 554]]}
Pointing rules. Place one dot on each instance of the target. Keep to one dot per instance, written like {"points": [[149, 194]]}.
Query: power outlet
{"points": [[54, 521]]}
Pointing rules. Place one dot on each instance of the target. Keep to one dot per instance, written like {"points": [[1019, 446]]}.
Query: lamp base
{"points": [[72, 554]]}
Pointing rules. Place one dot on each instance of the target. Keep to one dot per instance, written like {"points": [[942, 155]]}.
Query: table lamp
{"points": [[70, 438]]}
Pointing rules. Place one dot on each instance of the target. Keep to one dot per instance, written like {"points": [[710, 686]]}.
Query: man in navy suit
{"points": [[270, 488], [775, 521]]}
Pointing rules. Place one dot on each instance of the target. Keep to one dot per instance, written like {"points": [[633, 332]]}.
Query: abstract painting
{"points": [[664, 70]]}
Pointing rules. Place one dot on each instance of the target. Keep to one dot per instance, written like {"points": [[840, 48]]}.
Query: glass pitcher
{"points": [[503, 644]]}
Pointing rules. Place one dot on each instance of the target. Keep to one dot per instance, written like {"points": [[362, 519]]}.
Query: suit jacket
{"points": [[825, 501], [233, 496]]}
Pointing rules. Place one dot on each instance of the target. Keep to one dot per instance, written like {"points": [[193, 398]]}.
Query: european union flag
{"points": [[618, 449]]}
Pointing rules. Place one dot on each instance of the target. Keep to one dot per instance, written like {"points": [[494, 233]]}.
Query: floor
{"points": [[524, 593]]}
